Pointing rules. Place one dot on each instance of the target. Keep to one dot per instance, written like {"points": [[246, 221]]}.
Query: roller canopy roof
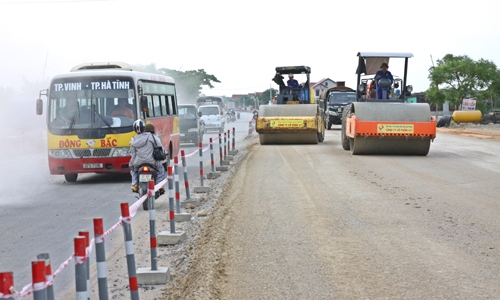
{"points": [[373, 60], [386, 54], [293, 70]]}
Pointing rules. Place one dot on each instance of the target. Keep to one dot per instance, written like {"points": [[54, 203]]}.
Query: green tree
{"points": [[188, 83], [266, 95], [457, 77]]}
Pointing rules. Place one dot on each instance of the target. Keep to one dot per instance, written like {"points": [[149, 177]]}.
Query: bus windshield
{"points": [[342, 98], [92, 102]]}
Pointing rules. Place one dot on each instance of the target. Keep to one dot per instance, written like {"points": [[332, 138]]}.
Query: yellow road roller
{"points": [[386, 124], [296, 118]]}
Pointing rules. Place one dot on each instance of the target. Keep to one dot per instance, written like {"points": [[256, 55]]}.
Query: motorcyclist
{"points": [[141, 150]]}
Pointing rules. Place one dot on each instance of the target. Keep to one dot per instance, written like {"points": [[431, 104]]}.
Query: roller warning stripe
{"points": [[355, 127]]}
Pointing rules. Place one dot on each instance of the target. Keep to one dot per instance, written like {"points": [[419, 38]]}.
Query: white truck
{"points": [[212, 113]]}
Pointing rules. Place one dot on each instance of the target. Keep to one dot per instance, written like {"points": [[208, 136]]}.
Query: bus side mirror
{"points": [[39, 107], [200, 114], [144, 104]]}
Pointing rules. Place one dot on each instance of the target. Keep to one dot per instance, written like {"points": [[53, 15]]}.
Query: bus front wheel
{"points": [[70, 177]]}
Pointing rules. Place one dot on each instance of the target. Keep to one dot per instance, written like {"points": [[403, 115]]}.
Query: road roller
{"points": [[296, 118], [387, 123]]}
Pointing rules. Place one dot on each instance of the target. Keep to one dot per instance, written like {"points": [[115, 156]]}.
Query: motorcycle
{"points": [[233, 117], [255, 115], [238, 115], [146, 172]]}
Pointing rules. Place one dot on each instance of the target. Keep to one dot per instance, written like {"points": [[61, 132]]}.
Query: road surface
{"points": [[315, 222], [40, 212]]}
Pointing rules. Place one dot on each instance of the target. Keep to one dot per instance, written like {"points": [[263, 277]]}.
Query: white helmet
{"points": [[139, 126], [290, 75]]}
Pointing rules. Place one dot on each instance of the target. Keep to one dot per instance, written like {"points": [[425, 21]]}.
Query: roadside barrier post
{"points": [[250, 128], [152, 223], [201, 189], [220, 149], [212, 164], [225, 149], [213, 174], [153, 275], [80, 268], [87, 260], [6, 282], [186, 179], [223, 162], [233, 151], [229, 156], [188, 200], [38, 280], [234, 137], [129, 250], [100, 256], [172, 237], [200, 146], [48, 274], [171, 200], [177, 193]]}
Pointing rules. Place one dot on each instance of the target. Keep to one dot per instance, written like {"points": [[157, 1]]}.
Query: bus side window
{"points": [[163, 103], [150, 106], [171, 105], [156, 104]]}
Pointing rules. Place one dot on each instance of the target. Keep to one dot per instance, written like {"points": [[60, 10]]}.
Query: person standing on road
{"points": [[383, 73], [141, 150]]}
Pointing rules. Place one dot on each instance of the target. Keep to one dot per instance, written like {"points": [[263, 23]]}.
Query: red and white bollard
{"points": [[250, 127], [80, 268], [186, 178], [6, 283], [87, 261], [38, 280], [48, 274]]}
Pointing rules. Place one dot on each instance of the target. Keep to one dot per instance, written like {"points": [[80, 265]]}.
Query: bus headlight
{"points": [[192, 129], [60, 153], [121, 152]]}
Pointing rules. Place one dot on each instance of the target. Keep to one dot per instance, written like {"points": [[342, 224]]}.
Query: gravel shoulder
{"points": [[315, 222]]}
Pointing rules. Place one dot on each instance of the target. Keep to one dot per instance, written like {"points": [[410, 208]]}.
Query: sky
{"points": [[241, 42]]}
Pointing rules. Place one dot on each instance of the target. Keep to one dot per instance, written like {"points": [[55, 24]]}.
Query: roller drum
{"points": [[288, 110], [391, 112]]}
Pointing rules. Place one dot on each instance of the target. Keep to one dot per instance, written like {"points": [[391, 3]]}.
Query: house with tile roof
{"points": [[322, 85]]}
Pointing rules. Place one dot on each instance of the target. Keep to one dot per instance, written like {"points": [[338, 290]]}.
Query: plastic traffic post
{"points": [[225, 146], [220, 148], [38, 280], [177, 192], [87, 260], [6, 282], [186, 180], [48, 274], [234, 134], [250, 128], [171, 200], [80, 268], [200, 146], [212, 163], [228, 141], [129, 250], [100, 256], [152, 223]]}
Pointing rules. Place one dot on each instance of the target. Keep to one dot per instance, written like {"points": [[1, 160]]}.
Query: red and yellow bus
{"points": [[93, 134]]}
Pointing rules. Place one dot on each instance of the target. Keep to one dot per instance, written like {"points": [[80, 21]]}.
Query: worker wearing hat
{"points": [[383, 73], [292, 83]]}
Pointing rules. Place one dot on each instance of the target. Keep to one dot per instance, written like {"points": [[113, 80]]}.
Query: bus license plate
{"points": [[92, 166], [145, 177], [183, 134]]}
